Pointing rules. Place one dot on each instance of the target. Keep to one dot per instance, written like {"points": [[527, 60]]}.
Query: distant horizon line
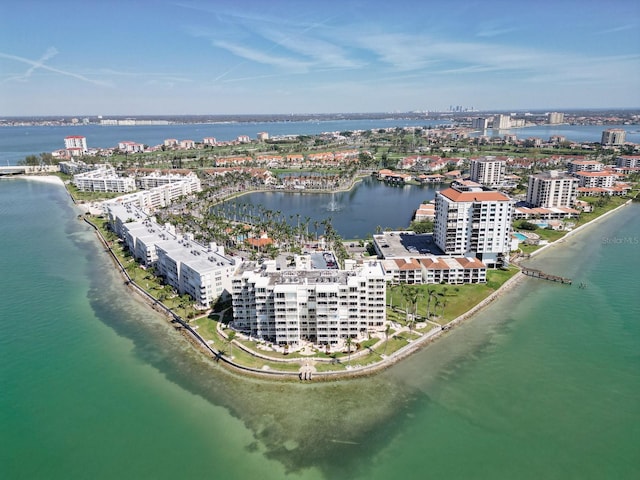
{"points": [[413, 112]]}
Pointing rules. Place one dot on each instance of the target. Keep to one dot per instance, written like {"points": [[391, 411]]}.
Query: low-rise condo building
{"points": [[596, 179], [575, 166], [161, 196], [203, 272], [73, 167], [426, 211], [103, 179], [157, 179], [130, 147], [435, 269]]}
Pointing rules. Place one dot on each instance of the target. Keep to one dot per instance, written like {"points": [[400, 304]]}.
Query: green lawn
{"points": [[458, 298], [145, 278], [80, 196], [601, 205]]}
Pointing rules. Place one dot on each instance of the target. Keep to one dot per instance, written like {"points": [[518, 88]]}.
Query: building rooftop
{"points": [[474, 196], [308, 277], [595, 174], [553, 175], [406, 244]]}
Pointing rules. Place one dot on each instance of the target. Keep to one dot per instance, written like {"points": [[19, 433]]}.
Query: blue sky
{"points": [[271, 56]]}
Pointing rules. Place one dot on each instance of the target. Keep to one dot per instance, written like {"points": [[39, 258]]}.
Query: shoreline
{"points": [[52, 179], [199, 342], [579, 229], [192, 336]]}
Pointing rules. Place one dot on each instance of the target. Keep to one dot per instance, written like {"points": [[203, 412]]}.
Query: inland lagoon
{"points": [[544, 383]]}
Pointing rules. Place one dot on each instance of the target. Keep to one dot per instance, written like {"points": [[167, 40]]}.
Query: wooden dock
{"points": [[532, 272]]}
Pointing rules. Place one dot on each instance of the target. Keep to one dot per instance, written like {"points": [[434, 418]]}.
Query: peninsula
{"points": [[268, 294]]}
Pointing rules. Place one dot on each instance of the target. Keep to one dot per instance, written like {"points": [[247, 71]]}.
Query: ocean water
{"points": [[17, 142], [544, 383]]}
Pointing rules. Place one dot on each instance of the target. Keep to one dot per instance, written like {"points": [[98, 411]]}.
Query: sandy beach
{"points": [[44, 179]]}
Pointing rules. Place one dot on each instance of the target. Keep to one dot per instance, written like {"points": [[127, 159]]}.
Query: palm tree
{"points": [[230, 338], [349, 341], [411, 295], [387, 331], [431, 293], [444, 304]]}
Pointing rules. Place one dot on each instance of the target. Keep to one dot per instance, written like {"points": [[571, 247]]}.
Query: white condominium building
{"points": [[73, 167], [157, 179], [502, 122], [321, 306], [595, 179], [103, 179], [130, 147], [575, 166], [480, 123], [488, 170], [474, 223], [75, 142], [203, 272], [628, 161], [161, 196], [552, 189], [555, 118], [613, 136]]}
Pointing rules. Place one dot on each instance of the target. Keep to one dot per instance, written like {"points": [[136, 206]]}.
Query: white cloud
{"points": [[39, 64], [322, 53], [262, 57], [620, 28]]}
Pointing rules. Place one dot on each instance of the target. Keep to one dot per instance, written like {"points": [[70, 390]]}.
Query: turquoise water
{"points": [[520, 236], [542, 384]]}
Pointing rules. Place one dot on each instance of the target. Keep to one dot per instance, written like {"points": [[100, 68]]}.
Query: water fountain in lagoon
{"points": [[333, 206]]}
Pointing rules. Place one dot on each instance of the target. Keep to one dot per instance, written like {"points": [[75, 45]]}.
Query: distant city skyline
{"points": [[259, 57]]}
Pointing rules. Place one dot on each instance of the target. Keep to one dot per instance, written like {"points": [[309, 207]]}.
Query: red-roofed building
{"points": [[131, 147], [426, 211], [431, 270], [474, 222], [575, 166], [76, 145], [259, 243]]}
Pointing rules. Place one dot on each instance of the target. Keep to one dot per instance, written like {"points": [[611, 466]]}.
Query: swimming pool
{"points": [[520, 237]]}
